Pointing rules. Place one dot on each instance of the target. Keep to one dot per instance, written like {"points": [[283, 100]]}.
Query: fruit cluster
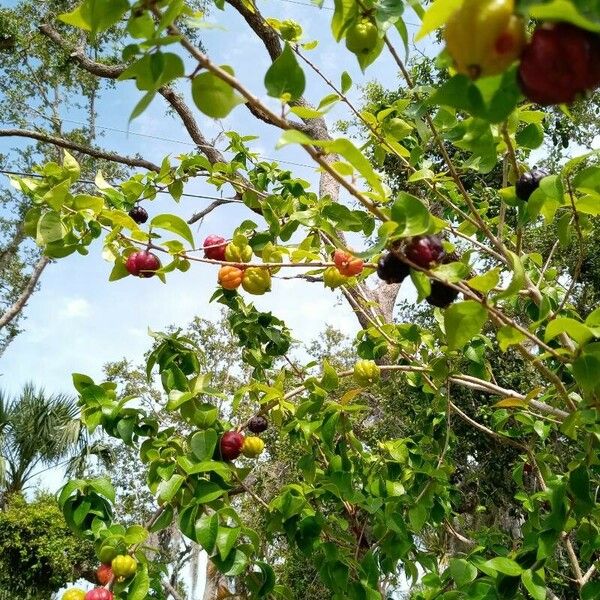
{"points": [[425, 252], [255, 280], [558, 64], [233, 443], [121, 568]]}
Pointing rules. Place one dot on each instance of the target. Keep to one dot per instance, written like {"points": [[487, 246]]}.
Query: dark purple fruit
{"points": [[559, 64], [258, 424], [425, 251], [138, 214], [442, 295], [528, 183], [392, 269]]}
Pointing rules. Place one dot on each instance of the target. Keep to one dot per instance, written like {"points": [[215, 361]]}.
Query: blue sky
{"points": [[78, 320]]}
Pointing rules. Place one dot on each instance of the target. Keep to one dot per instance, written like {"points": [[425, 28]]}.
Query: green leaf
{"points": [[207, 491], [357, 159], [452, 272], [531, 136], [330, 380], [203, 444], [437, 15], [574, 329], [96, 15], [235, 563], [411, 215], [518, 279], [588, 204], [214, 97], [104, 487], [226, 539], [51, 228], [135, 534], [167, 489], [421, 283], [164, 520], [504, 565], [462, 571], [586, 369], [346, 82], [459, 92], [462, 322], [340, 146], [579, 484], [174, 224], [591, 590], [207, 527], [508, 336], [71, 166], [562, 10], [534, 584], [285, 77], [417, 516], [485, 283], [140, 586]]}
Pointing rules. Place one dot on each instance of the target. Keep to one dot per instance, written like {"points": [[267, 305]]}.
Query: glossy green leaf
{"points": [[174, 224], [213, 96], [203, 444], [285, 77], [463, 321]]}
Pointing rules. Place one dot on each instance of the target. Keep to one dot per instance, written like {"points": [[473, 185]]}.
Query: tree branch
{"points": [[168, 93], [12, 312], [69, 145]]}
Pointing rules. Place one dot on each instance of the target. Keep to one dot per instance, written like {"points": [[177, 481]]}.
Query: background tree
{"points": [[39, 553]]}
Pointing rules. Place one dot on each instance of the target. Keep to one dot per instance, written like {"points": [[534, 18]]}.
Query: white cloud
{"points": [[76, 308]]}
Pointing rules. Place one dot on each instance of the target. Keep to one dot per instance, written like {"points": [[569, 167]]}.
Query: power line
{"points": [[191, 144]]}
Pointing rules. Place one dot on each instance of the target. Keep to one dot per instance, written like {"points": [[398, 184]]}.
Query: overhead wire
{"points": [[183, 142]]}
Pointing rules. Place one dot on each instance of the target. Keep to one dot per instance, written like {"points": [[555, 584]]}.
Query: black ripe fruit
{"points": [[138, 214], [392, 269], [258, 424], [425, 251], [442, 295], [528, 183]]}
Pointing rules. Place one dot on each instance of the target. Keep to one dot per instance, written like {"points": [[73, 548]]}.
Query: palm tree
{"points": [[37, 430]]}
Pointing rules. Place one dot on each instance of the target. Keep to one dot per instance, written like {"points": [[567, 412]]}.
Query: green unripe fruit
{"points": [[256, 281], [332, 278], [366, 373], [238, 254], [362, 37]]}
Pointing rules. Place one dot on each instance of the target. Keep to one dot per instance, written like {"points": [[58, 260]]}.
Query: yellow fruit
{"points": [[124, 566], [253, 447], [256, 281], [74, 594], [239, 254], [230, 277], [270, 254], [484, 37], [366, 373], [332, 278]]}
